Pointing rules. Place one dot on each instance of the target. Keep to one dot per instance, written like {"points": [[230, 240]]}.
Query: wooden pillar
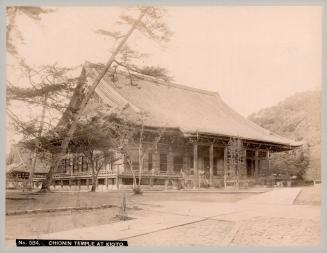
{"points": [[151, 182], [268, 162], [62, 183], [166, 184], [185, 160], [211, 164], [195, 165], [80, 164], [79, 184], [106, 179], [87, 183], [170, 160], [256, 164], [156, 161], [145, 164], [225, 161], [117, 182], [225, 166], [243, 166], [268, 167], [71, 165]]}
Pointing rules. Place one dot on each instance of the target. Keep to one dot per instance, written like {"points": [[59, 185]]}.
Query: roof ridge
{"points": [[157, 81]]}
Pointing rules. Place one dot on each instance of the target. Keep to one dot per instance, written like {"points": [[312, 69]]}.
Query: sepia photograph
{"points": [[163, 125]]}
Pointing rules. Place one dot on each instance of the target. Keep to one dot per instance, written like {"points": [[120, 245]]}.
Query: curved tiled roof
{"points": [[177, 106]]}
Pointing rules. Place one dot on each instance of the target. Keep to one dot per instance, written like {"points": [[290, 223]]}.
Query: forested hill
{"points": [[297, 117]]}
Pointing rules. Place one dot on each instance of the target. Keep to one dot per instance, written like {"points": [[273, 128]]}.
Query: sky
{"points": [[254, 56]]}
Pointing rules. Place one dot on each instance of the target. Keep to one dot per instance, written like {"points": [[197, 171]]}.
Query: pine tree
{"points": [[149, 22]]}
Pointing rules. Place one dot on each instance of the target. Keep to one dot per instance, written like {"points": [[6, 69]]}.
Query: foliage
{"points": [[153, 26], [293, 163], [13, 12], [48, 87], [48, 80], [109, 143], [297, 117], [137, 190]]}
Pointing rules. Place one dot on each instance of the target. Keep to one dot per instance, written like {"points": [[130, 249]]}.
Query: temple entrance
{"points": [[178, 164], [249, 168], [250, 163]]}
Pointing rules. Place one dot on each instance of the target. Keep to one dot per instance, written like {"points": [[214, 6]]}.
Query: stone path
{"points": [[277, 231], [268, 219], [278, 196]]}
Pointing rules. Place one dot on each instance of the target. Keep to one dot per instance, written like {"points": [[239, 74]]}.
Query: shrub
{"points": [[137, 190]]}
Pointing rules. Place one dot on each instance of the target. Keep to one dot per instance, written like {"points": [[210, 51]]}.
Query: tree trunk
{"points": [[140, 166], [90, 93], [46, 183], [94, 177], [37, 143], [95, 174], [94, 184], [133, 174]]}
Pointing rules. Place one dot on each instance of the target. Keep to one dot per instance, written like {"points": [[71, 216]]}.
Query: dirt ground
{"points": [[49, 222], [204, 233], [280, 217], [31, 201], [20, 226]]}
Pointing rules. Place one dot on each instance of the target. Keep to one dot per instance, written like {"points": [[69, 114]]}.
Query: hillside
{"points": [[297, 117]]}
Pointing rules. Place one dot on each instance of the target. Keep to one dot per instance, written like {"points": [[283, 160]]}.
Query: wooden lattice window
{"points": [[84, 164], [178, 163], [163, 162], [150, 163]]}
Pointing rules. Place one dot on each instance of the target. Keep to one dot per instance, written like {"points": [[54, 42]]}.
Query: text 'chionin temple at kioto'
{"points": [[195, 150]]}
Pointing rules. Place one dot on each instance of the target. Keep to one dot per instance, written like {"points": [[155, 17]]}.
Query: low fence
{"points": [[108, 179]]}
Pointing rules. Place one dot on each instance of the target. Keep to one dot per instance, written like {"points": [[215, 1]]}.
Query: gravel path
{"points": [[266, 231], [203, 233]]}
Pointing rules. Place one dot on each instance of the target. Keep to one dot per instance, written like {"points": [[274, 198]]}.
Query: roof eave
{"points": [[291, 145]]}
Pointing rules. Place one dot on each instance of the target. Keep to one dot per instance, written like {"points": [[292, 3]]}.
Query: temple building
{"points": [[196, 125]]}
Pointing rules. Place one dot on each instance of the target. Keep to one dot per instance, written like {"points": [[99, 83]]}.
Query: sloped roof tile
{"points": [[177, 106]]}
